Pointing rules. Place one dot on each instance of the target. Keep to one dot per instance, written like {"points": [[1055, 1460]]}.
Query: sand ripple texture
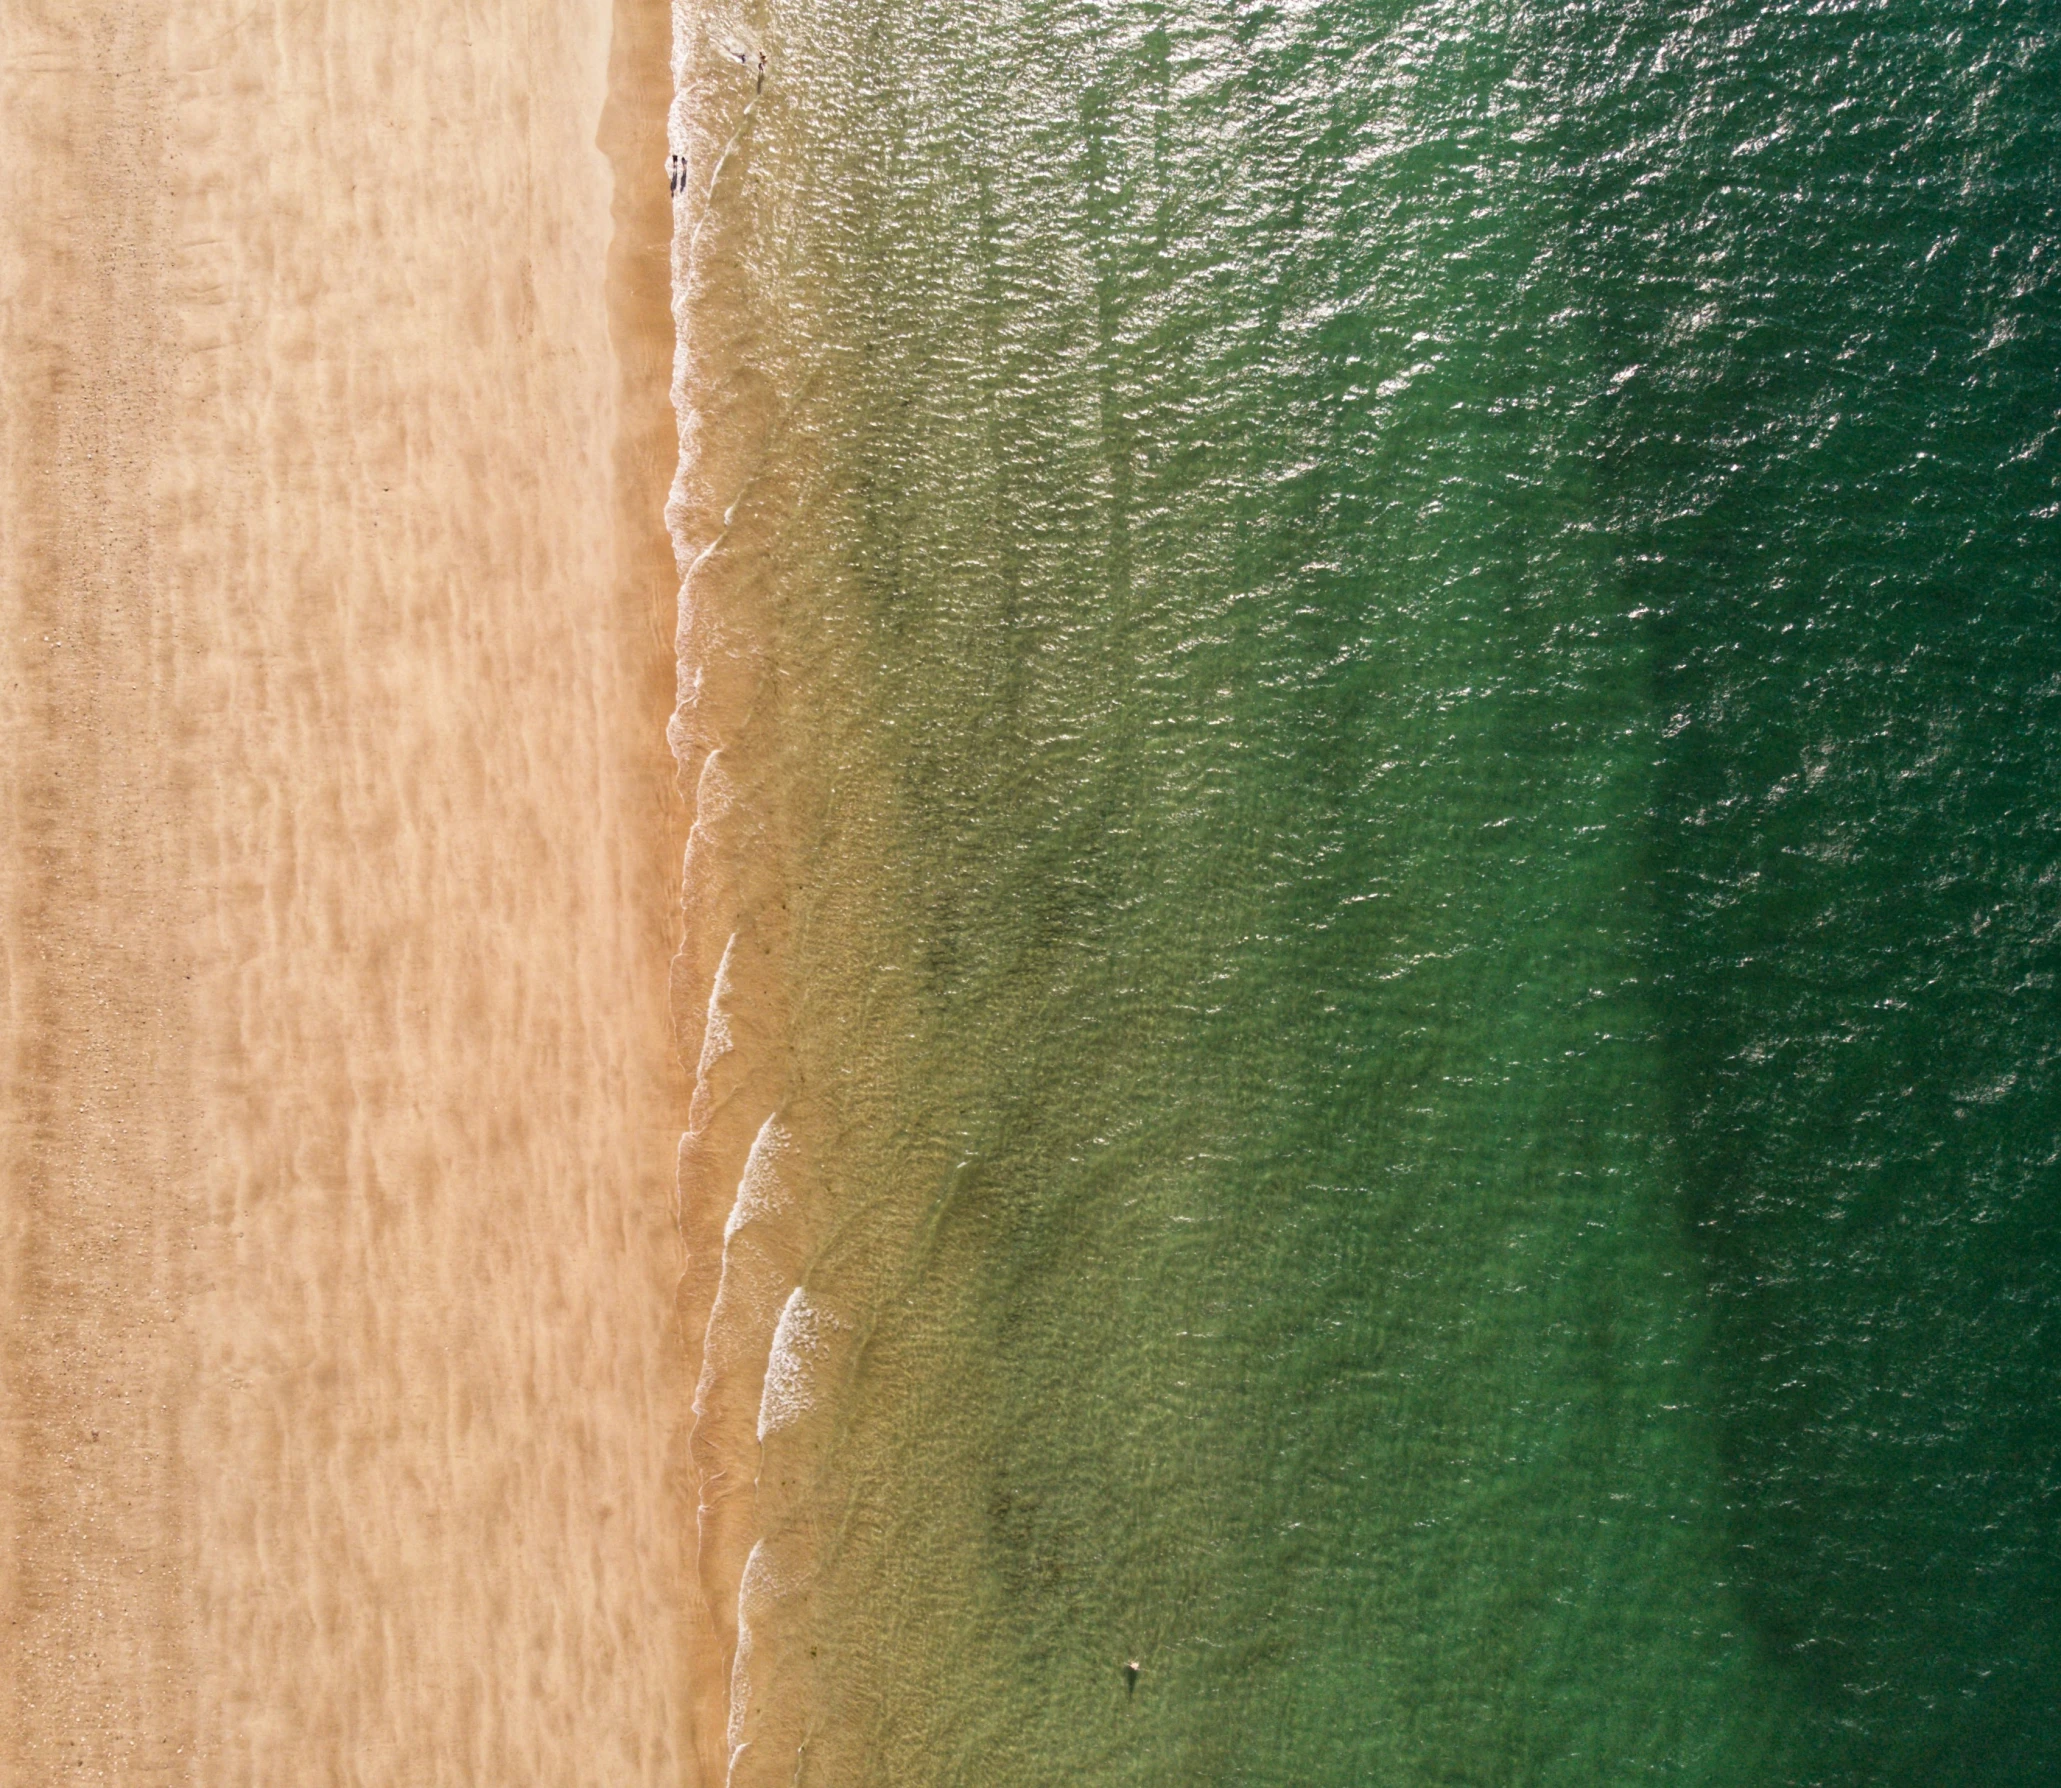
{"points": [[341, 1369]]}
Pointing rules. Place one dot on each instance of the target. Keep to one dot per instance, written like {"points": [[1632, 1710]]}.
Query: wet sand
{"points": [[344, 1391]]}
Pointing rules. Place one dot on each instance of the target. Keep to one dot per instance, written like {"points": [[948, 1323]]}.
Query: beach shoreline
{"points": [[740, 1189]]}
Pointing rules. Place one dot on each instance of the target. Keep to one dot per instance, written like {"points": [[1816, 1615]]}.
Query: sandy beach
{"points": [[344, 1387]]}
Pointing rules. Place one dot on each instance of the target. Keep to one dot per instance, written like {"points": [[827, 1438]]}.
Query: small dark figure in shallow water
{"points": [[1131, 1670], [676, 174]]}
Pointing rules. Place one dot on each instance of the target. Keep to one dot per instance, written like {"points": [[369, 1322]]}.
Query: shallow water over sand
{"points": [[1394, 659]]}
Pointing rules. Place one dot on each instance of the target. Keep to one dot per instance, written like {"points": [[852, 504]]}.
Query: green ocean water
{"points": [[1419, 656]]}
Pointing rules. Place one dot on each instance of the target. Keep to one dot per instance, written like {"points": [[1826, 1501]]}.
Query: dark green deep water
{"points": [[1431, 637]]}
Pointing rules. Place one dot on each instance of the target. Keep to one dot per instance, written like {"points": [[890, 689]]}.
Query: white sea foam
{"points": [[686, 697], [717, 1041], [742, 1294], [755, 1584], [716, 1038], [715, 798], [801, 1342], [761, 1585], [759, 1186]]}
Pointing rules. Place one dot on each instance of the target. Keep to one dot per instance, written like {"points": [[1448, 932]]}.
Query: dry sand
{"points": [[343, 1391]]}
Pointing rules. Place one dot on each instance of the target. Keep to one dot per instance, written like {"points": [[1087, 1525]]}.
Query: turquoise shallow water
{"points": [[1425, 642]]}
